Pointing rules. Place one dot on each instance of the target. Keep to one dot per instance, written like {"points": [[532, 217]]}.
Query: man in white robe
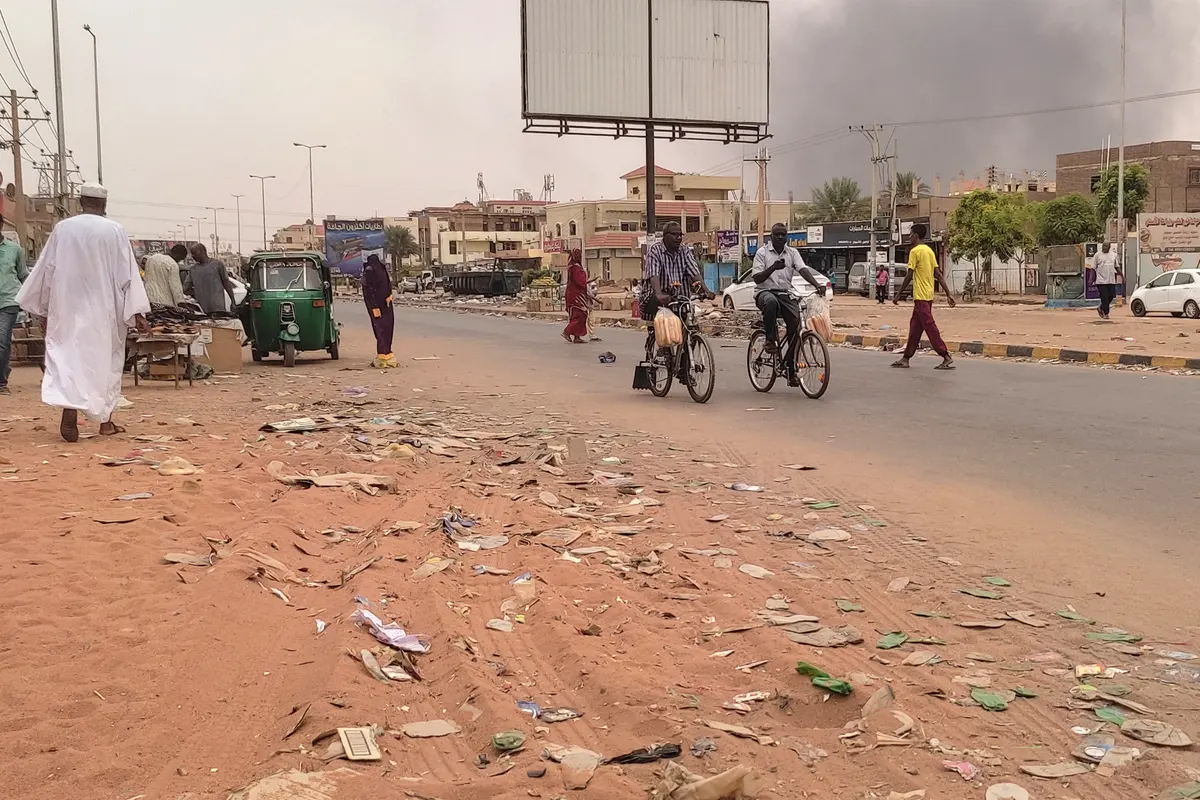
{"points": [[87, 287]]}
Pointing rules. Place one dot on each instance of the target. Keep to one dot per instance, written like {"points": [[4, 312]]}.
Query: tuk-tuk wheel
{"points": [[289, 354], [255, 355], [333, 350]]}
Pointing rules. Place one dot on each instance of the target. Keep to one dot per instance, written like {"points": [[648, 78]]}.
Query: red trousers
{"points": [[922, 322]]}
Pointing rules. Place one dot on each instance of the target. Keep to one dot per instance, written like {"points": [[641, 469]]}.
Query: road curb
{"points": [[990, 350]]}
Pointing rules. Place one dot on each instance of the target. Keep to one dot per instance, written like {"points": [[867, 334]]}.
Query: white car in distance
{"points": [[1176, 292], [739, 296]]}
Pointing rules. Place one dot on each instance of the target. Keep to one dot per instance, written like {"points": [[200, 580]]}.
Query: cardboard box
{"points": [[222, 349]]}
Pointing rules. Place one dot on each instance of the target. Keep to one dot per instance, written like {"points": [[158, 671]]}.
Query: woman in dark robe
{"points": [[377, 294], [576, 299]]}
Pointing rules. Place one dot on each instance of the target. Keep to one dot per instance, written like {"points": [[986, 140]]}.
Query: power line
{"points": [[12, 50], [1041, 111]]}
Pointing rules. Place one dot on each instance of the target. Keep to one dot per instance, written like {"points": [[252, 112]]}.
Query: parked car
{"points": [[1176, 292], [861, 277], [739, 296]]}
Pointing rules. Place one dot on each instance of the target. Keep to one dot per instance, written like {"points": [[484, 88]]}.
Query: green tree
{"points": [[1137, 189], [988, 224], [1071, 219], [839, 200], [907, 185], [400, 244]]}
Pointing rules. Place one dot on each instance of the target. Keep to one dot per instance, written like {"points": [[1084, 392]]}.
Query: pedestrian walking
{"points": [[86, 285], [882, 279], [377, 294], [164, 287], [576, 299], [925, 276], [1108, 275], [13, 273]]}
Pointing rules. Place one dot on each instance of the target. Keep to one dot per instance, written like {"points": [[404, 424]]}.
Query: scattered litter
{"points": [[1006, 791], [798, 467], [578, 764], [191, 559], [828, 535], [484, 569], [739, 731], [129, 498], [391, 634], [994, 581], [966, 769], [1128, 638], [1064, 770], [703, 746], [822, 679], [828, 637], [508, 741], [755, 571], [821, 505], [1073, 616], [549, 499], [734, 784], [430, 730], [898, 585], [743, 487], [848, 606], [892, 640], [432, 566], [647, 755], [370, 484], [981, 623], [177, 466], [992, 700], [607, 357], [718, 518], [1110, 714], [1155, 732], [501, 625], [919, 658], [1026, 618], [1176, 655], [553, 715], [983, 594]]}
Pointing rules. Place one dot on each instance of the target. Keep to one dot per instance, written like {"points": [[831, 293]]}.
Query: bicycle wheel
{"points": [[662, 372], [702, 369], [812, 365], [760, 364]]}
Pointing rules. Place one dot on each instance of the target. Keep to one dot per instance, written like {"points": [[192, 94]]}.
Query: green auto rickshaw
{"points": [[289, 307]]}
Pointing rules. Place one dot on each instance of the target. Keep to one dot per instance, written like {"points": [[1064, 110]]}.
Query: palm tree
{"points": [[838, 200], [908, 185], [400, 244]]}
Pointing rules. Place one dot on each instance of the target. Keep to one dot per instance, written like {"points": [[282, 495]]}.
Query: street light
{"points": [[237, 198], [312, 214], [184, 225], [96, 78], [263, 182], [216, 230], [199, 229], [1121, 156]]}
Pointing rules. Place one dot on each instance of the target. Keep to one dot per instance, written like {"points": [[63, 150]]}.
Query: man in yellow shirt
{"points": [[925, 276]]}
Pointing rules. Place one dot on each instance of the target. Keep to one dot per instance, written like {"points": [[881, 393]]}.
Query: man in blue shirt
{"points": [[12, 274]]}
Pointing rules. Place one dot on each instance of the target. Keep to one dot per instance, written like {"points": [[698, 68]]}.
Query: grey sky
{"points": [[415, 97]]}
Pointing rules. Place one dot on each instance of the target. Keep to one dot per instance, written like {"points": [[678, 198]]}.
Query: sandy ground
{"points": [[1035, 325], [122, 676]]}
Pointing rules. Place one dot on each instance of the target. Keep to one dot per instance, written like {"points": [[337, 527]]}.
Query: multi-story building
{"points": [[1174, 169], [305, 236], [450, 235]]}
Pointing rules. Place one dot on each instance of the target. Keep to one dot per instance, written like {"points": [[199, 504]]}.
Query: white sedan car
{"points": [[740, 294], [1176, 292]]}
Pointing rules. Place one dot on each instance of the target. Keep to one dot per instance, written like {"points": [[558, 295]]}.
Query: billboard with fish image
{"points": [[348, 243]]}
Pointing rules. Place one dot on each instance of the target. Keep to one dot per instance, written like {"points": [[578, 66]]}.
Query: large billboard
{"points": [[348, 242], [1168, 233], [708, 61]]}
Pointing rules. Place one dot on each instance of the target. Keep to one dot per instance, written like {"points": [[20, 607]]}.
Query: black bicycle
{"points": [[692, 361], [805, 358]]}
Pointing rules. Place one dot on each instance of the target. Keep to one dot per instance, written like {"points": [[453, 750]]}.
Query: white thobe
{"points": [[86, 284]]}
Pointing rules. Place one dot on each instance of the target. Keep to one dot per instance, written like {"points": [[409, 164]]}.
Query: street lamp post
{"points": [[184, 225], [1121, 229], [237, 198], [199, 228], [263, 182], [312, 214], [216, 230], [96, 79], [60, 183]]}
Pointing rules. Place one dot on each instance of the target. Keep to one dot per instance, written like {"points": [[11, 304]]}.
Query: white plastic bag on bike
{"points": [[819, 318], [668, 328]]}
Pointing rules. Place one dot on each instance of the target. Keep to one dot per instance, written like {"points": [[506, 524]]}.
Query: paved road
{"points": [[1062, 435]]}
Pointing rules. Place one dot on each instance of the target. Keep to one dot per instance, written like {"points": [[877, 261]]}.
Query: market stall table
{"points": [[156, 346]]}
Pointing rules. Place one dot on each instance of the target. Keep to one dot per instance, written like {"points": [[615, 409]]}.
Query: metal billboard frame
{"points": [[648, 127]]}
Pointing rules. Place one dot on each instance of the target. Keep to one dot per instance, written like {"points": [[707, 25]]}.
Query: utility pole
{"points": [[96, 78], [872, 135], [1121, 228], [61, 182], [216, 230], [18, 182], [199, 229], [761, 158], [312, 214], [651, 169], [263, 182], [237, 198]]}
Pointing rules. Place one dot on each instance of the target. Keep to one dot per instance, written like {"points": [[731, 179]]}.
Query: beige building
{"points": [[502, 219], [306, 236], [1174, 169], [460, 248]]}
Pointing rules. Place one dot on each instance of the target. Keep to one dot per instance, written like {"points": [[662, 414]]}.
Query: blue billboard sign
{"points": [[348, 242]]}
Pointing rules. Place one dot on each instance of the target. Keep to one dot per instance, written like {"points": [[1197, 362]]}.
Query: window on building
{"points": [[1095, 184], [491, 247], [453, 248], [658, 197], [637, 190], [558, 230], [572, 229], [288, 239], [607, 269], [693, 225], [1194, 175], [678, 197], [528, 224], [629, 227], [451, 226], [514, 225]]}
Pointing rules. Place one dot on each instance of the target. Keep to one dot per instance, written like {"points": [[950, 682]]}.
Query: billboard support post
{"points": [[651, 168]]}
